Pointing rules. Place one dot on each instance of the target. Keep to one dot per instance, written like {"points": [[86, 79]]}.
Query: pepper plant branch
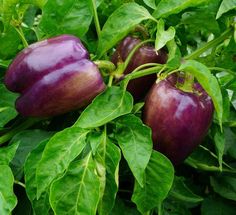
{"points": [[96, 20], [21, 34], [144, 72], [209, 45], [133, 51], [19, 183]]}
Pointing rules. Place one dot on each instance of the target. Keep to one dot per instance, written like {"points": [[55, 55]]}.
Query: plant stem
{"points": [[28, 123], [222, 70], [209, 45], [110, 81], [96, 20], [144, 72], [133, 51], [21, 34], [105, 64], [19, 183]]}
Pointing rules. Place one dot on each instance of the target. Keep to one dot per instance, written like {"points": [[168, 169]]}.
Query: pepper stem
{"points": [[96, 20], [188, 83], [105, 64], [21, 34]]}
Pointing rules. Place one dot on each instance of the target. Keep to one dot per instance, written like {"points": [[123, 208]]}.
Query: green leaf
{"points": [[41, 205], [169, 7], [219, 139], [217, 206], [28, 140], [60, 151], [226, 5], [99, 158], [174, 55], [66, 17], [135, 140], [7, 105], [8, 12], [119, 24], [80, 189], [195, 21], [151, 3], [114, 101], [181, 192], [112, 160], [8, 199], [159, 177], [208, 82], [224, 186], [162, 36], [7, 153]]}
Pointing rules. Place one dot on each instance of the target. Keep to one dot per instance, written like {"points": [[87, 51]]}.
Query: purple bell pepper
{"points": [[179, 120], [53, 76]]}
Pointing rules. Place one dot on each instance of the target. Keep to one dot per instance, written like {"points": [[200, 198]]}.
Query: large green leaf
{"points": [[28, 140], [119, 24], [225, 186], [169, 7], [66, 16], [208, 82], [135, 140], [7, 105], [159, 177], [41, 205], [61, 149], [112, 160], [114, 103], [183, 193], [8, 199], [80, 193], [226, 5], [7, 153]]}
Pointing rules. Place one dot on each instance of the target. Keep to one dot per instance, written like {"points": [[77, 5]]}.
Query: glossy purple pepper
{"points": [[145, 54], [179, 120], [53, 76]]}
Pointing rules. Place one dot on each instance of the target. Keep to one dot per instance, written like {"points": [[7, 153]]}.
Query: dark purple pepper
{"points": [[54, 76], [145, 54], [179, 120]]}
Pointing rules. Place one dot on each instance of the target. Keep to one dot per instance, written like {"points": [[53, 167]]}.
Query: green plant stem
{"points": [[222, 70], [96, 20], [144, 72], [111, 77], [19, 183], [188, 83], [28, 123], [21, 34], [105, 64], [133, 51], [209, 45]]}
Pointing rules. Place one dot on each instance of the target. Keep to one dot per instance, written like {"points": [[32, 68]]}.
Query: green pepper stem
{"points": [[105, 64], [96, 20], [19, 183], [144, 72], [209, 45], [21, 34], [28, 123], [133, 51]]}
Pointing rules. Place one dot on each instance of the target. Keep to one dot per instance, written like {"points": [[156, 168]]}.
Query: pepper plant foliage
{"points": [[100, 159]]}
